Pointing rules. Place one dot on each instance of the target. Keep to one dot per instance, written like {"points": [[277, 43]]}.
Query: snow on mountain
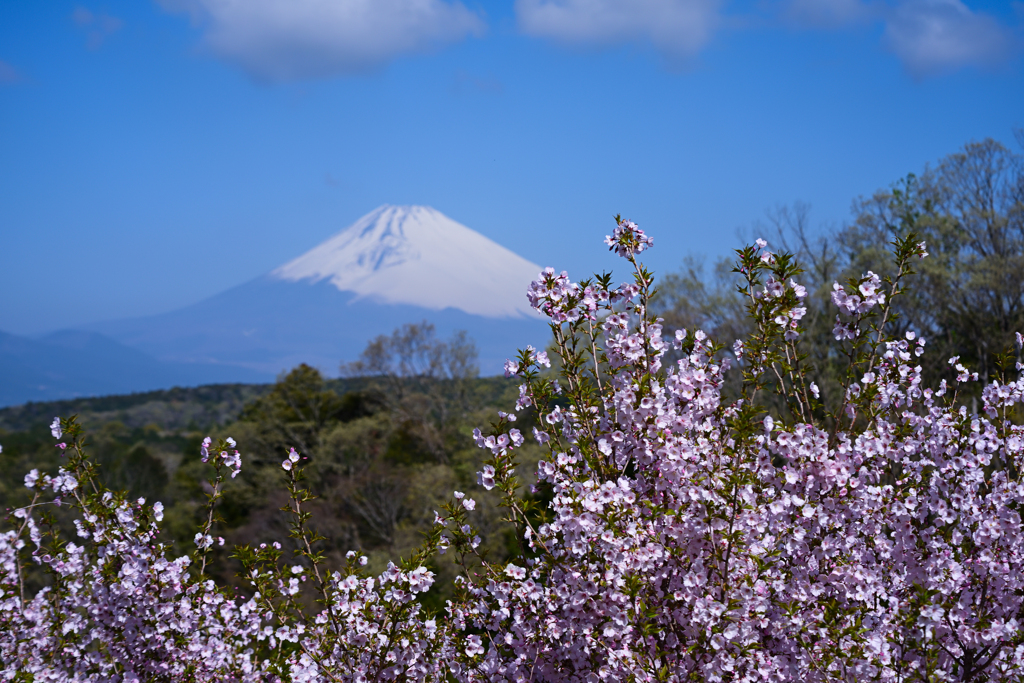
{"points": [[416, 255]]}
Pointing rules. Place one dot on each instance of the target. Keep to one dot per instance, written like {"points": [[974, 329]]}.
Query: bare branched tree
{"points": [[424, 379], [379, 501]]}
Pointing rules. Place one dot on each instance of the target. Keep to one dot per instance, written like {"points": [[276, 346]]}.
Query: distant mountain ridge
{"points": [[393, 266], [72, 363]]}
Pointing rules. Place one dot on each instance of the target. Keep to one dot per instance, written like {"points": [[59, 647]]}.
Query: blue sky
{"points": [[153, 153]]}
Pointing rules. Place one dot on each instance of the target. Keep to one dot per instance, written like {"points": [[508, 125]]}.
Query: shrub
{"points": [[675, 533]]}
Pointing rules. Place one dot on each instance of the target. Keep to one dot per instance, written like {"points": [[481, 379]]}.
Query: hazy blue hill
{"points": [[72, 364], [270, 325]]}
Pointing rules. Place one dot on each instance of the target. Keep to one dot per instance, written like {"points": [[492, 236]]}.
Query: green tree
{"points": [[968, 295], [296, 413], [969, 209]]}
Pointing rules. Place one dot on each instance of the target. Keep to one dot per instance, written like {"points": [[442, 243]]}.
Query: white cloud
{"points": [[678, 28], [283, 40], [935, 36], [929, 37]]}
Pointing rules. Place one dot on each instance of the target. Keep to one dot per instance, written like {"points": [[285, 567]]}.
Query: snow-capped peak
{"points": [[416, 255]]}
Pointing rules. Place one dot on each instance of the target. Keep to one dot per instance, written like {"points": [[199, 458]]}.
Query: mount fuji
{"points": [[395, 265], [418, 256]]}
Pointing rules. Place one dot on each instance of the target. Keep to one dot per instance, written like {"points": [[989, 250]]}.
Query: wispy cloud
{"points": [[829, 14], [930, 37], [282, 40], [936, 36], [97, 27], [8, 74], [677, 28]]}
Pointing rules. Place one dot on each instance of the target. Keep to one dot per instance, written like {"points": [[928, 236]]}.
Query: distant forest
{"points": [[385, 448], [390, 440]]}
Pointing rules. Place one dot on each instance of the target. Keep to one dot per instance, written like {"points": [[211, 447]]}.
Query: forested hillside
{"points": [[384, 449], [172, 409]]}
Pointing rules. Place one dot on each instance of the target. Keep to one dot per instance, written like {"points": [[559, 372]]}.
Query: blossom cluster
{"points": [[118, 607], [680, 545], [685, 533], [628, 239]]}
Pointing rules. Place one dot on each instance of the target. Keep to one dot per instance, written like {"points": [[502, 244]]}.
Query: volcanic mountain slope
{"points": [[396, 265], [418, 256]]}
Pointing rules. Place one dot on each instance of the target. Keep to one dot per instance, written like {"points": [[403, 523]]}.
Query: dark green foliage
{"points": [[383, 453], [969, 297], [295, 413], [139, 473], [357, 404], [173, 409]]}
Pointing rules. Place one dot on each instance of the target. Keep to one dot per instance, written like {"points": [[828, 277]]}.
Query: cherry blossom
{"points": [[688, 534]]}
